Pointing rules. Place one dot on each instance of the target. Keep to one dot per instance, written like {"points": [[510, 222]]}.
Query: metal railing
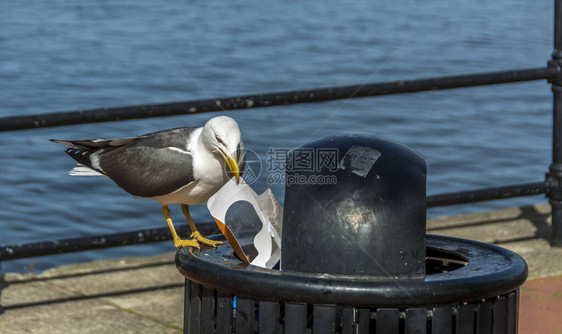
{"points": [[551, 186], [274, 99]]}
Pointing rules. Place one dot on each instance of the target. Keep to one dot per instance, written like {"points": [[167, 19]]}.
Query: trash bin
{"points": [[355, 259]]}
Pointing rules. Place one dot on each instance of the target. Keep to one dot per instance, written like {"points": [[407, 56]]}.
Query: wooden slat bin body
{"points": [[469, 287], [210, 311]]}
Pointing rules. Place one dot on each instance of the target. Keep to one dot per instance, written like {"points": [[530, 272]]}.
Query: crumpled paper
{"points": [[251, 223]]}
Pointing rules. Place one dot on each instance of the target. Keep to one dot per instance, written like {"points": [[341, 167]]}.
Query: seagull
{"points": [[184, 166]]}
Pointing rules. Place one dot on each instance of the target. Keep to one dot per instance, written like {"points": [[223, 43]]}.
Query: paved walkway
{"points": [[145, 295], [541, 303], [130, 295]]}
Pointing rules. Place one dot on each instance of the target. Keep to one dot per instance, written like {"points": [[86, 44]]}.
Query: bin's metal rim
{"points": [[491, 271]]}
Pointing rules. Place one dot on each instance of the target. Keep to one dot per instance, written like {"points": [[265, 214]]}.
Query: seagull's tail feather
{"points": [[84, 167], [83, 151], [81, 170]]}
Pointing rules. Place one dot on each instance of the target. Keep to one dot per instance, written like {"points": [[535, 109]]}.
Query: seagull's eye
{"points": [[219, 139]]}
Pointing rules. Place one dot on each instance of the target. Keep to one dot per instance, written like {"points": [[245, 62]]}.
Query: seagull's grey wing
{"points": [[171, 137], [147, 171], [94, 144], [156, 164], [177, 137]]}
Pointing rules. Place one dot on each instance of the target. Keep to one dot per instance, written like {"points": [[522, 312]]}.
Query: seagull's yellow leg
{"points": [[195, 234], [178, 242]]}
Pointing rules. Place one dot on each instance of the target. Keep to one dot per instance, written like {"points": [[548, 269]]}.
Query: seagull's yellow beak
{"points": [[232, 163]]}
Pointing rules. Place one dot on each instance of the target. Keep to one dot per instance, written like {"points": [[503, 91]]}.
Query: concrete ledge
{"points": [[524, 230], [130, 295]]}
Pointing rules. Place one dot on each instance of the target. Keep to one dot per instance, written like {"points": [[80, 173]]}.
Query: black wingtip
{"points": [[79, 155], [73, 151]]}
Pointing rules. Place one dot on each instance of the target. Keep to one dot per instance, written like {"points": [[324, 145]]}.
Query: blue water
{"points": [[59, 56]]}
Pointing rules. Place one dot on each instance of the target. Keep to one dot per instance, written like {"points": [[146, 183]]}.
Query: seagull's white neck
{"points": [[203, 142], [209, 166]]}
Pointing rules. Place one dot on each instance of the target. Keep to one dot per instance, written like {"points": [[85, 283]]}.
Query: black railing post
{"points": [[554, 177]]}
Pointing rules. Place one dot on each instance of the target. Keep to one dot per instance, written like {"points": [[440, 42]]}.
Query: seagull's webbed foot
{"points": [[178, 242], [195, 234]]}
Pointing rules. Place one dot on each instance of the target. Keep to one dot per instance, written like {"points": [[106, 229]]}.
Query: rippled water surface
{"points": [[59, 56]]}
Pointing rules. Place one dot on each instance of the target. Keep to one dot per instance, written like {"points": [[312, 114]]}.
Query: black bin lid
{"points": [[459, 271], [355, 205]]}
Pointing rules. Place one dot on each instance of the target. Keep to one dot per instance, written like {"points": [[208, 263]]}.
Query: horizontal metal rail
{"points": [[274, 99], [488, 194], [43, 248], [36, 249]]}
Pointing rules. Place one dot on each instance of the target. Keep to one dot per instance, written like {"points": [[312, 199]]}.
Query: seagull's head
{"points": [[222, 135]]}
